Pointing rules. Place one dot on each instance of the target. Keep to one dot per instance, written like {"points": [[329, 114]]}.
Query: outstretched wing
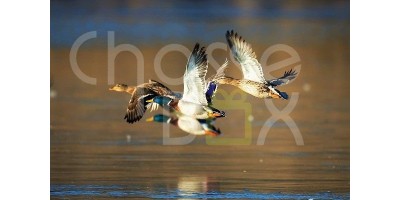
{"points": [[244, 54], [194, 77], [137, 104], [287, 76]]}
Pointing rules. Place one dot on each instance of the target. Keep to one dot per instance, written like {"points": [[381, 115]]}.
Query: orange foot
{"points": [[211, 133]]}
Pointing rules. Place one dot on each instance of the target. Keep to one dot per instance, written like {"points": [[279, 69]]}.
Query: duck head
{"points": [[215, 113], [158, 118], [119, 87]]}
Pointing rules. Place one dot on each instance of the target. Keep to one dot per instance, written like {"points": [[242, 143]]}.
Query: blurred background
{"points": [[94, 152]]}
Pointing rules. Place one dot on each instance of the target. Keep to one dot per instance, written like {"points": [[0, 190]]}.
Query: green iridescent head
{"points": [[163, 101], [159, 118]]}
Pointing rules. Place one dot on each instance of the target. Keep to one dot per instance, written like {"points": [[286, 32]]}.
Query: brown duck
{"points": [[253, 81], [140, 95]]}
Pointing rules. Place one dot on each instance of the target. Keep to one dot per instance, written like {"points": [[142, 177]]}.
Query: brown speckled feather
{"points": [[137, 104], [253, 81]]}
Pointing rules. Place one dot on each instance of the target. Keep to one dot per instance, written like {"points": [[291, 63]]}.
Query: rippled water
{"points": [[95, 154], [116, 191]]}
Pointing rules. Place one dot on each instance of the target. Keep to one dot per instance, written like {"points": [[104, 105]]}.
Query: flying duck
{"points": [[253, 81], [139, 95], [194, 101]]}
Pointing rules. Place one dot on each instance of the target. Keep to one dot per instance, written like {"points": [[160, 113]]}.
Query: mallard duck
{"points": [[194, 102], [121, 87], [253, 81], [199, 112], [188, 124], [140, 94]]}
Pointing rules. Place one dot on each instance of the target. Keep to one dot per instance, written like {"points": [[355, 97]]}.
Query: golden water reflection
{"points": [[189, 185]]}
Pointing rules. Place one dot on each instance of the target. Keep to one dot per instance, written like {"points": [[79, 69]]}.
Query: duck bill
{"points": [[276, 96], [218, 114], [150, 101], [150, 119]]}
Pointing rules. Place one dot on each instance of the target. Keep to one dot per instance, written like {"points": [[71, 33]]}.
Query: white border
{"points": [[25, 110], [374, 100]]}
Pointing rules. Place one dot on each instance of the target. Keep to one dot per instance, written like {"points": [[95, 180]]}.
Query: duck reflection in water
{"points": [[191, 185]]}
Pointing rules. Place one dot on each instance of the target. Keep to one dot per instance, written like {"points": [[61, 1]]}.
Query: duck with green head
{"points": [[188, 124], [172, 105], [194, 102], [253, 81]]}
